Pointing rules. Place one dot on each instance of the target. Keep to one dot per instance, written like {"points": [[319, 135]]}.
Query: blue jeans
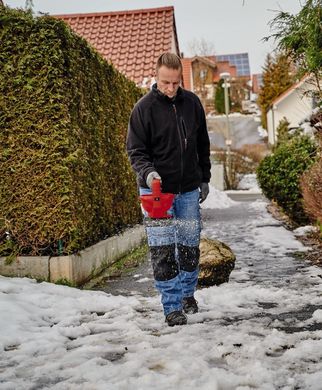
{"points": [[174, 248]]}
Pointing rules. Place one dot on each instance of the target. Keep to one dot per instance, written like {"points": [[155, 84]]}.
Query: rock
{"points": [[217, 261]]}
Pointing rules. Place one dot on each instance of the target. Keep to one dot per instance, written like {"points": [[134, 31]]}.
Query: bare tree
{"points": [[201, 47], [200, 67], [1, 3], [29, 4]]}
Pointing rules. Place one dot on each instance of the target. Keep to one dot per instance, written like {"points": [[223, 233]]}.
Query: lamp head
{"points": [[224, 75]]}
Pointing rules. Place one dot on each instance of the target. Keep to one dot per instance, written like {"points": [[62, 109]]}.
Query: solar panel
{"points": [[240, 60]]}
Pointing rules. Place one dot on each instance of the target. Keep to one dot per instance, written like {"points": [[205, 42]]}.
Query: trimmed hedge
{"points": [[279, 175], [66, 182]]}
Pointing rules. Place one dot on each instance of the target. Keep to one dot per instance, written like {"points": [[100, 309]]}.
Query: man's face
{"points": [[168, 81]]}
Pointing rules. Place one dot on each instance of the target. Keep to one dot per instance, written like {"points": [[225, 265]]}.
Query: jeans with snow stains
{"points": [[174, 248]]}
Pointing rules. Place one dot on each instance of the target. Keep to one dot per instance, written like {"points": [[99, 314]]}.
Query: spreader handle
{"points": [[156, 187]]}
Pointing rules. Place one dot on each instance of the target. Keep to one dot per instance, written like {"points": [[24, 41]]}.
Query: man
{"points": [[168, 141]]}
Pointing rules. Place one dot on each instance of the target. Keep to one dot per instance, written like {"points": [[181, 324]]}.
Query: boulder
{"points": [[217, 261]]}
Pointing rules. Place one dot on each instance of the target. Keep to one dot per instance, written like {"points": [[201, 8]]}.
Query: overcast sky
{"points": [[230, 26]]}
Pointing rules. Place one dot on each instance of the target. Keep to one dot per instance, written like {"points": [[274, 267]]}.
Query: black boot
{"points": [[189, 305], [176, 318]]}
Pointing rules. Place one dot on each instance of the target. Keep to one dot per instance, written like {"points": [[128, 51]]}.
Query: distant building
{"points": [[225, 67], [257, 82], [199, 74], [131, 40], [294, 104], [202, 75], [240, 60]]}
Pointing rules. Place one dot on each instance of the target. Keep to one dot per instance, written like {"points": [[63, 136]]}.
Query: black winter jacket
{"points": [[169, 136]]}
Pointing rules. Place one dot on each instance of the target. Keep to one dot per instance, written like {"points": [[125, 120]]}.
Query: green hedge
{"points": [[65, 178], [279, 175]]}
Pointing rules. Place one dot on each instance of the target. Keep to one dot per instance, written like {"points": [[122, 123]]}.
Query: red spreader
{"points": [[157, 204]]}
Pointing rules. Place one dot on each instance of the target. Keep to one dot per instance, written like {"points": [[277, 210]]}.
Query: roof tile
{"points": [[132, 40]]}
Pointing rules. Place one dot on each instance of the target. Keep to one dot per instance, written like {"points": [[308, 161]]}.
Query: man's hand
{"points": [[150, 177], [204, 191]]}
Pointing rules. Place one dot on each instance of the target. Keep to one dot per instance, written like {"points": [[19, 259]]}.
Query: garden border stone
{"points": [[78, 268]]}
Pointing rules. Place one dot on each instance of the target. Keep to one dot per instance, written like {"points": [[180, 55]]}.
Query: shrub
{"points": [[65, 178], [244, 160], [282, 131], [311, 185], [256, 152], [240, 164], [311, 181], [279, 175]]}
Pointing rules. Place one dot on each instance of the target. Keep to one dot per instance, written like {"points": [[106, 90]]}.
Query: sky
{"points": [[229, 26], [261, 330]]}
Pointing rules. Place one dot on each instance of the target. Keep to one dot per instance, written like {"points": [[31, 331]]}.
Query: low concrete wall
{"points": [[78, 268], [31, 266]]}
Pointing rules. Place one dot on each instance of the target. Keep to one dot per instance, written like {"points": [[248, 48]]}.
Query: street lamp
{"points": [[226, 76]]}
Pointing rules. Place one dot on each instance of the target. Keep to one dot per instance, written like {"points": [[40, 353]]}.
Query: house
{"points": [[240, 60], [202, 75], [198, 76], [257, 82], [132, 40], [294, 104]]}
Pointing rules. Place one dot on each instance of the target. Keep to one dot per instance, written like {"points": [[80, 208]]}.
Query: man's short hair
{"points": [[170, 60]]}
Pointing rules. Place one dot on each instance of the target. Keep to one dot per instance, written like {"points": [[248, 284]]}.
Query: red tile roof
{"points": [[131, 40]]}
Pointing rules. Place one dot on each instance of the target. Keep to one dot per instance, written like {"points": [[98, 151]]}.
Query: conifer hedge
{"points": [[279, 175], [65, 180]]}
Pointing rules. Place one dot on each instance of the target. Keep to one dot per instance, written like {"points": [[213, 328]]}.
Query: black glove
{"points": [[150, 177], [204, 191]]}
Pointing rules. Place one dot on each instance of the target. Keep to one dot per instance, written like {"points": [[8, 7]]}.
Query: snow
{"points": [[272, 237], [250, 333], [308, 129], [231, 115], [249, 182], [262, 132], [304, 230], [217, 200]]}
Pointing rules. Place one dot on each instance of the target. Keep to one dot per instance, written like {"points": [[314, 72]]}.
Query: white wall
{"points": [[294, 107]]}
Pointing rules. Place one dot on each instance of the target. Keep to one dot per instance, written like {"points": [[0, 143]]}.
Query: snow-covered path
{"points": [[262, 330]]}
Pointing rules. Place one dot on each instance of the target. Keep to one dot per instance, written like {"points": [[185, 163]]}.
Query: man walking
{"points": [[168, 141]]}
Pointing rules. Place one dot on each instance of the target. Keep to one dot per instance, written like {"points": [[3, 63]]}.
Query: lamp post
{"points": [[226, 76]]}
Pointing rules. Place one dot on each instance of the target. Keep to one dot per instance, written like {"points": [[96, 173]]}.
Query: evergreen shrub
{"points": [[311, 184], [311, 181], [282, 130], [65, 178], [279, 175]]}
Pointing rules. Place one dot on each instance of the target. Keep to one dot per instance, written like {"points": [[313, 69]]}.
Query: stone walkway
{"points": [[235, 226]]}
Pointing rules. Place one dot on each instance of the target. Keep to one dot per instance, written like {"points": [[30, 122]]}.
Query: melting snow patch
{"points": [[217, 200], [317, 315], [277, 240], [304, 230], [249, 182]]}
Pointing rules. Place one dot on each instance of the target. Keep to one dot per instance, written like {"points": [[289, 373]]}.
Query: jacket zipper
{"points": [[184, 133], [181, 145]]}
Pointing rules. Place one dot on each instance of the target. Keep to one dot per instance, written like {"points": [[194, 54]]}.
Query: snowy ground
{"points": [[249, 182], [262, 330]]}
